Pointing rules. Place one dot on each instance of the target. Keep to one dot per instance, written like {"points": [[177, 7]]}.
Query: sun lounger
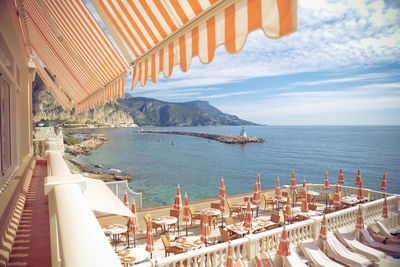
{"points": [[340, 253], [349, 241], [315, 255], [373, 243], [384, 230], [264, 260], [293, 259]]}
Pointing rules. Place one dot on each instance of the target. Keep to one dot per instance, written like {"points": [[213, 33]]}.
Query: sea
{"points": [[197, 165]]}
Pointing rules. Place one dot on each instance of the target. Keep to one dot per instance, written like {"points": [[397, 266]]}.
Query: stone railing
{"points": [[119, 188], [247, 248], [39, 148]]}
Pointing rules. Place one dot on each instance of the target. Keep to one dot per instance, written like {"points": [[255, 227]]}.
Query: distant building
{"points": [[243, 132]]}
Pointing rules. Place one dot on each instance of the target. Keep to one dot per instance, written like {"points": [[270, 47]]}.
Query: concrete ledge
{"points": [[52, 181]]}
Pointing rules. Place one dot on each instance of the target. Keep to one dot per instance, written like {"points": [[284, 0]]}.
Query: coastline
{"points": [[90, 142]]}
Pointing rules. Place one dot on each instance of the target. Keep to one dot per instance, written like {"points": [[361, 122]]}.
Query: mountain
{"points": [[139, 110]]}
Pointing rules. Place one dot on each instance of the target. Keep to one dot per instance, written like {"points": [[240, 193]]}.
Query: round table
{"points": [[243, 205], [164, 221], [210, 211], [189, 243], [115, 230], [313, 193], [133, 255]]}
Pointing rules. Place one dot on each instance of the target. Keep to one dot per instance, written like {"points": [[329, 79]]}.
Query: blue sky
{"points": [[342, 67]]}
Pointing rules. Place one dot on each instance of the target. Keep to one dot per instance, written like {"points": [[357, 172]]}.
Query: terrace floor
{"points": [[195, 230]]}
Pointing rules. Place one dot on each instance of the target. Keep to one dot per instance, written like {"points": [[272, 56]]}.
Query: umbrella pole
{"points": [[128, 239], [186, 229], [134, 239], [293, 199], [222, 220], [326, 200], [257, 212]]}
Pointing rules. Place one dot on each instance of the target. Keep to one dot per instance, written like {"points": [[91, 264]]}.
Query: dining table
{"points": [[189, 243], [351, 200], [165, 222], [115, 232], [131, 256], [256, 224]]}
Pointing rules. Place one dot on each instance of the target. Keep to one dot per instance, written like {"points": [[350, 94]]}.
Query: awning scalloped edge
{"points": [[230, 28], [113, 90]]}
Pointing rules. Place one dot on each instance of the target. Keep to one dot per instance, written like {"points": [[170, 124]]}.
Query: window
{"points": [[5, 122]]}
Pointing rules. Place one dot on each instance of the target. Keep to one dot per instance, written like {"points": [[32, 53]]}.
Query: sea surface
{"points": [[156, 166]]}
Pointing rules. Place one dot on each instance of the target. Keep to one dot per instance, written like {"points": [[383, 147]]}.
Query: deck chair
{"points": [[268, 201], [373, 243], [275, 218], [153, 224], [215, 206], [168, 248], [340, 253], [298, 196], [229, 220], [174, 213], [225, 237], [312, 207], [316, 256], [385, 231], [232, 209], [193, 215], [293, 260], [264, 260], [346, 237]]}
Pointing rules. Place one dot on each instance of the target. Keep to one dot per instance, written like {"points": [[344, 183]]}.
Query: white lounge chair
{"points": [[373, 243], [316, 256], [346, 237], [294, 259], [385, 231], [340, 253]]}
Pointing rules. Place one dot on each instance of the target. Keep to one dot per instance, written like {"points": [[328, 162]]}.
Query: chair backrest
{"points": [[229, 220], [165, 240], [308, 198], [147, 218], [275, 218], [174, 213], [224, 234], [191, 210], [327, 210], [266, 197], [215, 205], [312, 207], [285, 194], [246, 199], [341, 194], [331, 196], [229, 204]]}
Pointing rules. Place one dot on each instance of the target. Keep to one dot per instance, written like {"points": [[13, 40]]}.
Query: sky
{"points": [[341, 67]]}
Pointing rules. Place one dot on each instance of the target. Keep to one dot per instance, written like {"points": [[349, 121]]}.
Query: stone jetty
{"points": [[223, 138]]}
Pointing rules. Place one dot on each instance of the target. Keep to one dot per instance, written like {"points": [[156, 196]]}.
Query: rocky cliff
{"points": [[139, 110]]}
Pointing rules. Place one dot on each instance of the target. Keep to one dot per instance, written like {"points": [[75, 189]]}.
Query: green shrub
{"points": [[71, 140]]}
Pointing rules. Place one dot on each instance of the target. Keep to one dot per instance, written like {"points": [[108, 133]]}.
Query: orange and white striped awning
{"points": [[163, 33], [75, 50]]}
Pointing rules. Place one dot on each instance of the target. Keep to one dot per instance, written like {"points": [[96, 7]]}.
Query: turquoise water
{"points": [[198, 164]]}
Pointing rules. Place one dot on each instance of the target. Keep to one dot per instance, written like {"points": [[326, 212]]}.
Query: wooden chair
{"points": [[174, 213], [275, 218], [215, 219], [331, 199], [268, 201], [285, 194], [229, 220], [312, 207], [193, 215], [168, 248], [232, 209], [153, 224], [298, 197], [225, 237], [327, 210]]}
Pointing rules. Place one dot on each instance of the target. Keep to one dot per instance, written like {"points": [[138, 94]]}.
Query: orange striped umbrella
{"points": [[384, 185], [133, 225], [178, 199], [304, 204], [323, 231], [341, 177], [229, 260], [126, 199], [287, 214], [150, 240], [360, 219], [358, 177], [293, 182], [326, 188], [247, 217], [360, 190], [385, 209], [257, 193], [205, 230], [278, 194], [222, 198], [336, 197], [283, 248], [186, 215]]}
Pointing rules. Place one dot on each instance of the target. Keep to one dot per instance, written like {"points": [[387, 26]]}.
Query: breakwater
{"points": [[223, 138]]}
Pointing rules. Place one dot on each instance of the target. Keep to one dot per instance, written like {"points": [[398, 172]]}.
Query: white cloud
{"points": [[229, 94]]}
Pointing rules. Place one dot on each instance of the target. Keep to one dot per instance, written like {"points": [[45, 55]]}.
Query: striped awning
{"points": [[75, 50], [163, 33]]}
